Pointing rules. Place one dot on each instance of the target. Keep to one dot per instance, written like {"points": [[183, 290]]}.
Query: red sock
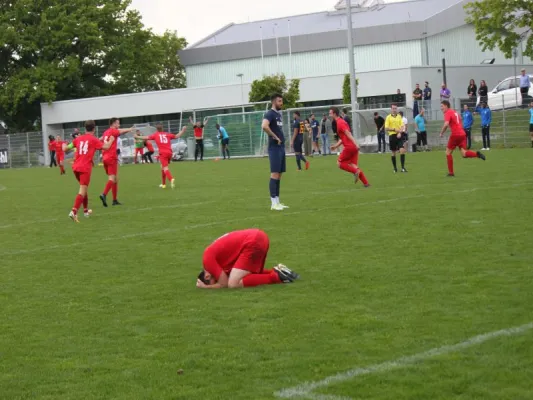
{"points": [[86, 203], [115, 190], [470, 154], [348, 167], [168, 175], [363, 177], [163, 177], [449, 158], [108, 187], [62, 169], [260, 279], [77, 203]]}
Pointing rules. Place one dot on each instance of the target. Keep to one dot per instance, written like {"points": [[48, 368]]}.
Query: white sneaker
{"points": [[283, 206], [276, 207], [483, 149], [163, 186], [488, 148], [88, 213], [173, 183]]}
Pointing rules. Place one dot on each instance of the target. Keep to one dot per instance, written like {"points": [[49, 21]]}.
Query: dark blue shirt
{"points": [[275, 122], [296, 125], [314, 126]]}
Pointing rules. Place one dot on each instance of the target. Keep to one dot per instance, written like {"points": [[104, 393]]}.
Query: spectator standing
{"points": [[468, 121], [483, 92], [380, 126], [471, 91], [445, 93], [52, 150], [427, 99], [417, 99], [346, 117], [325, 128], [307, 137], [420, 129], [405, 133], [398, 98], [525, 84], [486, 120], [315, 128]]}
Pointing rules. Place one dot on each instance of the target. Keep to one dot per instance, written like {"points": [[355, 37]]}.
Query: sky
{"points": [[195, 23]]}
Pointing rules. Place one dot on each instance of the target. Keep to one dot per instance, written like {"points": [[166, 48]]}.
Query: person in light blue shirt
{"points": [[531, 121], [525, 84], [468, 121], [224, 140], [420, 129], [486, 120]]}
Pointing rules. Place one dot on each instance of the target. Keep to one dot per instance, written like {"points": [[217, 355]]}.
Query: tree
{"points": [[503, 24], [263, 89], [346, 90], [54, 50]]}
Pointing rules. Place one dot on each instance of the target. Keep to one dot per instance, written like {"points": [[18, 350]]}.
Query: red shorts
{"points": [[165, 159], [60, 158], [111, 167], [253, 256], [137, 151], [349, 155], [84, 178], [457, 141]]}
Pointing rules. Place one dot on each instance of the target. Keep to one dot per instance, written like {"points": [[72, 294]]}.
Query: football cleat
{"points": [[307, 165], [285, 274], [104, 200], [450, 175], [356, 176], [173, 183], [404, 170], [88, 213], [276, 207], [73, 216], [163, 186], [283, 206], [116, 203], [481, 155], [288, 271]]}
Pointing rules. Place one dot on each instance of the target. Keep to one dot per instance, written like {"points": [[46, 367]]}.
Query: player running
{"points": [[272, 125], [60, 153], [349, 157], [86, 146], [164, 144], [237, 260], [457, 137], [110, 159]]}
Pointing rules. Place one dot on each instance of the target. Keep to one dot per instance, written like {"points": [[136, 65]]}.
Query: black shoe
{"points": [[450, 175], [395, 170], [404, 170], [285, 274], [104, 200], [481, 155], [116, 203]]}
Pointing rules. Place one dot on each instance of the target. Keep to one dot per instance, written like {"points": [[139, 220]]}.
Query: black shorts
{"points": [[530, 128], [298, 145], [422, 138], [395, 144], [225, 142], [276, 156]]}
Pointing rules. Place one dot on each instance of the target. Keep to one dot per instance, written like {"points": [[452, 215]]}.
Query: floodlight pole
{"points": [[353, 86]]}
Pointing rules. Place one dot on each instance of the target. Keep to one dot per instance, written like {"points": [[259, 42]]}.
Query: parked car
{"points": [[506, 94]]}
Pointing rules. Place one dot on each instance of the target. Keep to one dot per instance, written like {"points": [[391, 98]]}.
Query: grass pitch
{"points": [[108, 309]]}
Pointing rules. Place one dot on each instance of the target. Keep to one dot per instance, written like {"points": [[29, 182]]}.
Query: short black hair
{"points": [[50, 137], [201, 277], [89, 126], [275, 96], [376, 114], [345, 110], [335, 111], [446, 103], [297, 113], [113, 120]]}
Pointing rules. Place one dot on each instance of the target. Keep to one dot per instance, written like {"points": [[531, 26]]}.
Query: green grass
{"points": [[108, 309]]}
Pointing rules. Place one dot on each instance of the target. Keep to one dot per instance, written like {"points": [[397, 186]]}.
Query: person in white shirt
{"points": [[119, 154], [405, 133]]}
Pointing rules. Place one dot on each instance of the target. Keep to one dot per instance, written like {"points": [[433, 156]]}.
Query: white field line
{"points": [[2, 187], [305, 389], [252, 218]]}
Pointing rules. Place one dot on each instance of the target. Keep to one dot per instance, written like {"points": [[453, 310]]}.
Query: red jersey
{"points": [[456, 125], [52, 145], [86, 145], [149, 146], [342, 129], [163, 142], [198, 132], [59, 146], [222, 254], [111, 153]]}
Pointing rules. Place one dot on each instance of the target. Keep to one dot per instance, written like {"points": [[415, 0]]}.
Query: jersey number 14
{"points": [[84, 147]]}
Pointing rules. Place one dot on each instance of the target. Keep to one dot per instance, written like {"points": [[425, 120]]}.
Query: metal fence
{"points": [[509, 128]]}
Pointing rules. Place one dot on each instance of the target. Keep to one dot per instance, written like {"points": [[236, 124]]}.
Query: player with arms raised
{"points": [[457, 138], [86, 146], [110, 159], [237, 260], [349, 157], [164, 144]]}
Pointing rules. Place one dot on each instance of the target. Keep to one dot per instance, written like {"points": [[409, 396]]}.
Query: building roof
{"points": [[327, 21]]}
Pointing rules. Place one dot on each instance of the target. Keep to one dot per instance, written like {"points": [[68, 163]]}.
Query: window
{"points": [[504, 85]]}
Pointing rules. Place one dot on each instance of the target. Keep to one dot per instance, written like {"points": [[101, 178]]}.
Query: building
{"points": [[396, 45]]}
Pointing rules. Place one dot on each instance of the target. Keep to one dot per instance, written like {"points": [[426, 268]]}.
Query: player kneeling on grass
{"points": [[164, 144], [457, 137], [86, 146], [349, 157], [237, 260]]}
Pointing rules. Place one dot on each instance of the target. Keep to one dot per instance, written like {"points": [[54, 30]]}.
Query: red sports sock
{"points": [[449, 158], [115, 191], [363, 177], [108, 187], [86, 203], [168, 175], [260, 279], [348, 167], [77, 203], [470, 154], [163, 177]]}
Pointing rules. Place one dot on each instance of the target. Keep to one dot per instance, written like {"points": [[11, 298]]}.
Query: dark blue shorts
{"points": [[298, 145], [225, 142], [315, 137], [276, 155]]}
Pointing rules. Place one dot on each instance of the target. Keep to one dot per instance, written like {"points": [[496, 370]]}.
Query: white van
{"points": [[506, 94]]}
